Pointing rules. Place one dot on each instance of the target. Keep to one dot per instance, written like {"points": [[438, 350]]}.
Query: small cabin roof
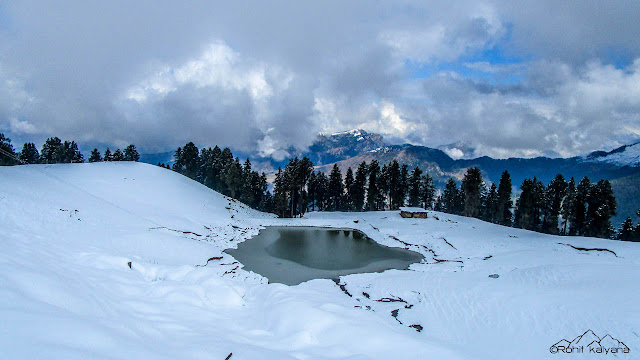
{"points": [[413, 209]]}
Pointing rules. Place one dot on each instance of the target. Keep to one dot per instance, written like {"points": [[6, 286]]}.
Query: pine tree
{"points": [[303, 171], [280, 199], [452, 200], [601, 206], [268, 203], [358, 191], [336, 188], [428, 192], [69, 153], [233, 178], [373, 192], [117, 156], [29, 154], [187, 161], [257, 189], [568, 209], [226, 158], [95, 156], [415, 187], [8, 154], [312, 190], [77, 155], [394, 185], [109, 157], [472, 186], [263, 197], [504, 200], [246, 189], [439, 204], [490, 211], [51, 152], [348, 185], [205, 171], [322, 188], [295, 177], [554, 194], [384, 187], [404, 185], [627, 231], [529, 205], [580, 206], [131, 153]]}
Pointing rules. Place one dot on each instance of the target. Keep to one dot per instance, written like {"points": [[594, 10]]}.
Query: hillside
{"points": [[626, 155], [110, 261]]}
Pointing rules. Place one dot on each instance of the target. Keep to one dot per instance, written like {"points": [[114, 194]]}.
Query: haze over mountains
{"points": [[350, 148]]}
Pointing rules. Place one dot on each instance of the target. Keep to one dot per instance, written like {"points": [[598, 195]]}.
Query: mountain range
{"points": [[350, 148]]}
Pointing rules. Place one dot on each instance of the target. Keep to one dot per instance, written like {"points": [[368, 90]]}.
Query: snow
{"points": [[630, 156], [69, 233], [354, 133]]}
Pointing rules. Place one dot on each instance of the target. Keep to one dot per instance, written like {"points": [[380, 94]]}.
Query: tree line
{"points": [[56, 151], [561, 207], [218, 169]]}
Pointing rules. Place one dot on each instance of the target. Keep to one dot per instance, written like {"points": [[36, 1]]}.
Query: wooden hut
{"points": [[413, 212]]}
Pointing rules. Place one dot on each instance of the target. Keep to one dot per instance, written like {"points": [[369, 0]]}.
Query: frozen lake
{"points": [[292, 255]]}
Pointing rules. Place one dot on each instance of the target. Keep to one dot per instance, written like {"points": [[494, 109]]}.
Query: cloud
{"points": [[218, 97], [536, 78], [574, 32], [452, 31], [454, 153], [562, 112]]}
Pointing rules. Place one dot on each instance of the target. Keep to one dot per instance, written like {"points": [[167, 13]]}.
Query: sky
{"points": [[540, 77]]}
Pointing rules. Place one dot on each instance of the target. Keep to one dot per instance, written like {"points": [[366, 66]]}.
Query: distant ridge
{"points": [[350, 148], [626, 155]]}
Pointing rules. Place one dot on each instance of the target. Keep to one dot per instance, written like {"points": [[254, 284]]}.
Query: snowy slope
{"points": [[66, 289], [627, 155]]}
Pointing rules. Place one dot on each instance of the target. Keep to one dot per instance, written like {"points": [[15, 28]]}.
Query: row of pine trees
{"points": [[561, 207], [55, 151], [220, 171]]}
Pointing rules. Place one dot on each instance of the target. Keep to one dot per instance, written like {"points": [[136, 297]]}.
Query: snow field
{"points": [[69, 233]]}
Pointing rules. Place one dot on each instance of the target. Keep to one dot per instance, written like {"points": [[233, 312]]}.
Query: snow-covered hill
{"points": [[119, 260], [626, 155]]}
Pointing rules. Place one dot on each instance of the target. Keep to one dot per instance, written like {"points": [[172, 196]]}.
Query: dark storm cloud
{"points": [[263, 76]]}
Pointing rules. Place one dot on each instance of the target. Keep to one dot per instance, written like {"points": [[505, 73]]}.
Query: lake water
{"points": [[292, 255]]}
